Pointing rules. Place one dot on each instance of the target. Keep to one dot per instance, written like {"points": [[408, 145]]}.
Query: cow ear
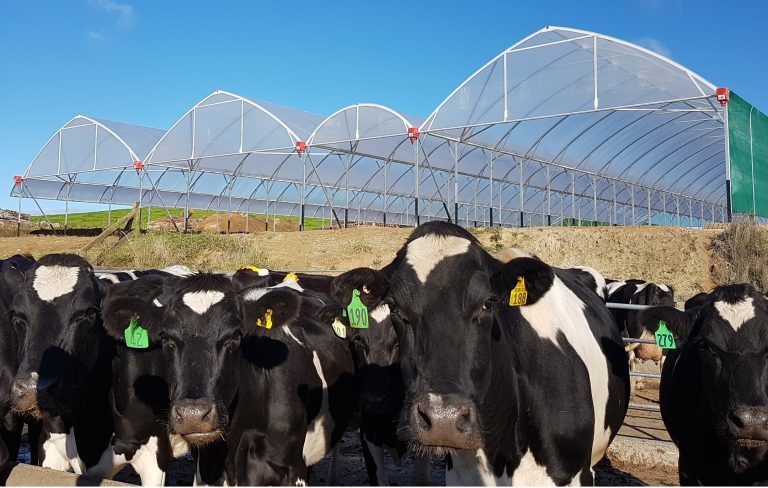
{"points": [[271, 310], [373, 285], [678, 322], [251, 276], [529, 275], [139, 299]]}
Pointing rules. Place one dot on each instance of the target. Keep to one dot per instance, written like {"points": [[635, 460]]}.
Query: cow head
{"points": [[726, 343], [200, 331], [56, 311], [375, 349], [442, 309]]}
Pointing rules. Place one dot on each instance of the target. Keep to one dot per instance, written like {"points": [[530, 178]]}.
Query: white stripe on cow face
{"points": [[561, 310], [201, 301], [257, 293], [54, 281], [380, 313], [664, 288], [736, 313], [427, 252]]}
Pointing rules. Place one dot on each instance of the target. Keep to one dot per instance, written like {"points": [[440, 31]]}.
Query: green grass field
{"points": [[99, 219]]}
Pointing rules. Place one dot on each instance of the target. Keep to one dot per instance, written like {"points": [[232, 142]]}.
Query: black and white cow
{"points": [[260, 387], [638, 292], [530, 394], [318, 285], [714, 388], [11, 424], [103, 406], [377, 370], [140, 398], [64, 375]]}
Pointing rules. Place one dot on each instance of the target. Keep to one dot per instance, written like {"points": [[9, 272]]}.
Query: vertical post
{"points": [[418, 181], [648, 196], [109, 214], [632, 196], [18, 216], [573, 196], [303, 190], [188, 175], [614, 204], [66, 208], [456, 182], [728, 196], [522, 193], [384, 200], [594, 200], [490, 190], [549, 196], [347, 166]]}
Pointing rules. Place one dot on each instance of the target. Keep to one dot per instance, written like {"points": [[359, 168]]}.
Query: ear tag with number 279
{"points": [[664, 338], [357, 312], [519, 294]]}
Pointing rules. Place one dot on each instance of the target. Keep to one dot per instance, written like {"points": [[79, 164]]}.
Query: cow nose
{"points": [[748, 422], [443, 422], [24, 392], [193, 417]]}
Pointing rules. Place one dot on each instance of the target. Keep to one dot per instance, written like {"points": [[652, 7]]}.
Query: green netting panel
{"points": [[748, 151]]}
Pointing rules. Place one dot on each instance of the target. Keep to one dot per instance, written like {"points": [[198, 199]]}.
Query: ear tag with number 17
{"points": [[664, 338], [357, 312]]}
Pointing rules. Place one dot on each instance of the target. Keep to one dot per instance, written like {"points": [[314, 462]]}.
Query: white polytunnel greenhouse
{"points": [[566, 127]]}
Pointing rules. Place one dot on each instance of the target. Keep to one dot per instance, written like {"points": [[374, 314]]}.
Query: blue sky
{"points": [[147, 62]]}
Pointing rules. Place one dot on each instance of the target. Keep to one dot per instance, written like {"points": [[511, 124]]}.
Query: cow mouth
{"points": [[203, 438], [28, 409], [750, 443]]}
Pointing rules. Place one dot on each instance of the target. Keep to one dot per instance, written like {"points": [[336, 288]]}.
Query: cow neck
{"points": [[505, 439]]}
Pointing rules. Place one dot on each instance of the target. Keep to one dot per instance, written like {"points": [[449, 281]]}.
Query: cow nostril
{"points": [[424, 422], [464, 420], [736, 419], [208, 414]]}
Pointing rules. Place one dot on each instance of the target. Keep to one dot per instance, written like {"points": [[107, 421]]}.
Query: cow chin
{"points": [[201, 439], [28, 408], [747, 455]]}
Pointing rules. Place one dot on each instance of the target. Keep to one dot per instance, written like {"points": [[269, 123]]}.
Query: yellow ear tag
{"points": [[252, 268], [291, 277], [267, 323], [519, 295], [339, 329]]}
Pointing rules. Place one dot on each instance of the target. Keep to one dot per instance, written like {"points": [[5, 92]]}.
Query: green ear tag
{"points": [[357, 312], [664, 338], [339, 329], [136, 336]]}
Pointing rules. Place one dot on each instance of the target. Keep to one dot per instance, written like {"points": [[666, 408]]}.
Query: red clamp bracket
{"points": [[413, 133], [723, 95], [301, 147], [138, 166], [18, 179]]}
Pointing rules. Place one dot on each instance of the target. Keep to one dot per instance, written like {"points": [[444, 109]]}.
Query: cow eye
{"points": [[232, 344], [489, 303], [19, 321], [167, 342]]}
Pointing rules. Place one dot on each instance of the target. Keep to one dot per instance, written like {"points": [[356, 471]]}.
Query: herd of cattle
{"points": [[513, 370]]}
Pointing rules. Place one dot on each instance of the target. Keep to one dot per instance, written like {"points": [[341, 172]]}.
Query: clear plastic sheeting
{"points": [[564, 127]]}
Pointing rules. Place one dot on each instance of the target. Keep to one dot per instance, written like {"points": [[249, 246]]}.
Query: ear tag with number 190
{"points": [[664, 338], [357, 312], [519, 294]]}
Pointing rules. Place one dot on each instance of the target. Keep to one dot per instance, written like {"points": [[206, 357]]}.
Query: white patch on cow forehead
{"points": [[380, 313], [664, 288], [201, 301], [426, 252], [54, 281], [736, 313], [599, 280], [612, 287]]}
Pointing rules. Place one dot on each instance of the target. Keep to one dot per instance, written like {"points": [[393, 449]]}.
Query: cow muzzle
{"points": [[445, 422], [28, 390], [197, 421], [748, 425]]}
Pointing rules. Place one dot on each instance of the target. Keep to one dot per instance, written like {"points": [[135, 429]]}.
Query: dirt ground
{"points": [[675, 256]]}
